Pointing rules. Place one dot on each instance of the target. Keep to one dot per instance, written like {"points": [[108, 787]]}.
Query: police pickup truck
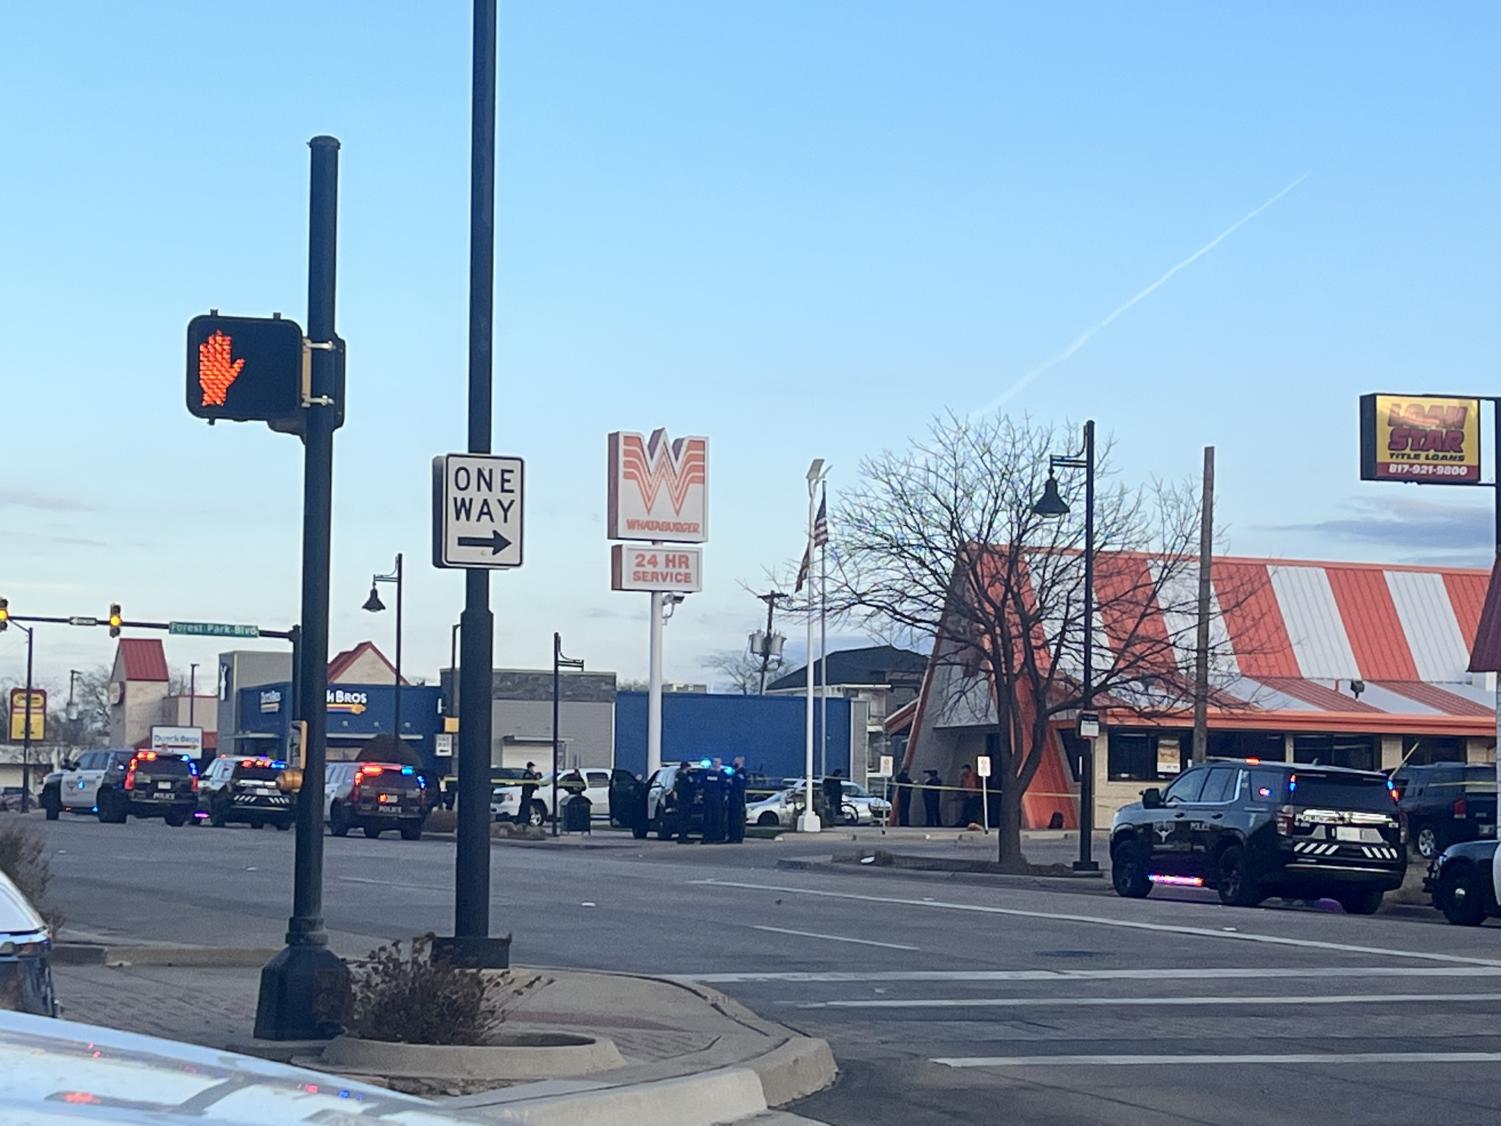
{"points": [[1252, 830]]}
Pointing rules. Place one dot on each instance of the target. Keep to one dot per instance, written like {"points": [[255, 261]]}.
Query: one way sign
{"points": [[477, 507]]}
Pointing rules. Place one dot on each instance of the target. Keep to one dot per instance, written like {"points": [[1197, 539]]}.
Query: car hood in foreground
{"points": [[54, 1071]]}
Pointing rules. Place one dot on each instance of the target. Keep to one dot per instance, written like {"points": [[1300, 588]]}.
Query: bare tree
{"points": [[736, 668], [940, 541]]}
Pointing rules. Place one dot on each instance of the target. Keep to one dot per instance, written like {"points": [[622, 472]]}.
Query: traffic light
{"points": [[116, 619], [244, 368], [4, 614]]}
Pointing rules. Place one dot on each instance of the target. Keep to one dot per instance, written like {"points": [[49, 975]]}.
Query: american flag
{"points": [[820, 539]]}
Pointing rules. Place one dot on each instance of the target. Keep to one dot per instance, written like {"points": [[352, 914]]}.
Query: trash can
{"points": [[576, 813]]}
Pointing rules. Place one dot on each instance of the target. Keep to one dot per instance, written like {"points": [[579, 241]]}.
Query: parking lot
{"points": [[939, 995]]}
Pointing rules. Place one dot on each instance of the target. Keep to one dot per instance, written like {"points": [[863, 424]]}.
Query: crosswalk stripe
{"points": [[1148, 1002], [1096, 920], [1406, 1058], [961, 977], [834, 938]]}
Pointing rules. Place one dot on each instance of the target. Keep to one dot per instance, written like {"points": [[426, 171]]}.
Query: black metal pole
{"points": [[771, 602], [26, 731], [472, 874], [295, 983], [557, 652], [1086, 862], [398, 649]]}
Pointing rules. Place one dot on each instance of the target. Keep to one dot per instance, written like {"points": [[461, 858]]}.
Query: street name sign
{"points": [[478, 502], [212, 629]]}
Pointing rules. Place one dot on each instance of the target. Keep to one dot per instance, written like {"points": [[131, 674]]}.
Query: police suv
{"points": [[245, 789], [1252, 829]]}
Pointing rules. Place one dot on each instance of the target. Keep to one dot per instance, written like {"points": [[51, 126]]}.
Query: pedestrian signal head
{"points": [[116, 619]]}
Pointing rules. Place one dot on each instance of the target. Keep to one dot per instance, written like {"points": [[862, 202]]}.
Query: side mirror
{"points": [[1151, 798]]}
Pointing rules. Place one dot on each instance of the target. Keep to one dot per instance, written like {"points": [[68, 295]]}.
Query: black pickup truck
{"points": [[1446, 803]]}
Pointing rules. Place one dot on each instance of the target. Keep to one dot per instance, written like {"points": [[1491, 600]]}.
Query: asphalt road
{"points": [[944, 1000]]}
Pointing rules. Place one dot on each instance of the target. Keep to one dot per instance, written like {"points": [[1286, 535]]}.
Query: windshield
{"points": [[1368, 793], [256, 773], [163, 765]]}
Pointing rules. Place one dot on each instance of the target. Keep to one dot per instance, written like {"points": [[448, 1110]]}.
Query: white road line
{"points": [[961, 977], [1147, 1002], [836, 938], [1126, 924], [1405, 1058]]}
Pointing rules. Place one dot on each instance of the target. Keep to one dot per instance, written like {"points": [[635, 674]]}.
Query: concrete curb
{"points": [[203, 957], [726, 1095], [974, 878], [516, 1062], [885, 858]]}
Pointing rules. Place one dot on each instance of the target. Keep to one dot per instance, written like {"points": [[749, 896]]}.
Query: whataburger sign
{"points": [[659, 493]]}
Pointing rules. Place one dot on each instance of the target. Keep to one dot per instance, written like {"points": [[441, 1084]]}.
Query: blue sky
{"points": [[798, 229]]}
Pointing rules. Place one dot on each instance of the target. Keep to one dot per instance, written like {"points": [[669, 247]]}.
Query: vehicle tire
{"points": [[1461, 898], [175, 820], [1426, 842], [1236, 885], [768, 820], [1128, 872], [537, 816], [372, 831], [52, 803], [338, 821], [850, 815], [111, 809], [257, 823], [411, 832], [282, 826], [1361, 901]]}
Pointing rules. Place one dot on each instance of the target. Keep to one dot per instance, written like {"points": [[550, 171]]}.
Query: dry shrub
{"points": [[412, 998], [23, 857]]}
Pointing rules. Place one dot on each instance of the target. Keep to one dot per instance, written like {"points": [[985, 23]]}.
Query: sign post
{"points": [[658, 493], [982, 766]]}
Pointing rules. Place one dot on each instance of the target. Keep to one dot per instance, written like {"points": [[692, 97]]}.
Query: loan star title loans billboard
{"points": [[659, 490], [1429, 439]]}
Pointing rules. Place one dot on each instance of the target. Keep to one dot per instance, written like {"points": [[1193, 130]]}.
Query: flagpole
{"points": [[809, 821], [823, 630]]}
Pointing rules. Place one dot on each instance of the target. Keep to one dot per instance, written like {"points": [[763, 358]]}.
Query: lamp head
{"points": [[1050, 503], [373, 603]]}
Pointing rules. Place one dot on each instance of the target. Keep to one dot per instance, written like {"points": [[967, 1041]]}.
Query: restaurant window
{"points": [[1267, 746], [1358, 752], [1145, 756], [1420, 750]]}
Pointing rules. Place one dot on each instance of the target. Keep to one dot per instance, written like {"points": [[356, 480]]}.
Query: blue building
{"points": [[769, 731], [357, 713]]}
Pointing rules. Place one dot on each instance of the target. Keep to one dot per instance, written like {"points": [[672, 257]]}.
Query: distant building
{"points": [[141, 697], [521, 716], [884, 677]]}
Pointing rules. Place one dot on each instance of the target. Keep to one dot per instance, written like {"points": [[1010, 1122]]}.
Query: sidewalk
{"points": [[692, 1056]]}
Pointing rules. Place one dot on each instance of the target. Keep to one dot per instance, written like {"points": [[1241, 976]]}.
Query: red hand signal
{"points": [[217, 369]]}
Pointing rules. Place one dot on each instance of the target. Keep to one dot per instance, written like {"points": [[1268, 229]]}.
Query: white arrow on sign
{"points": [[477, 510]]}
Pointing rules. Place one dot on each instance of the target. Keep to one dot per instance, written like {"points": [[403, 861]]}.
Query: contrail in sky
{"points": [[1088, 334]]}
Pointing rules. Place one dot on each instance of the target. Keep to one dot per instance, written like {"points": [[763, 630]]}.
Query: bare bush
{"points": [[23, 857], [401, 993]]}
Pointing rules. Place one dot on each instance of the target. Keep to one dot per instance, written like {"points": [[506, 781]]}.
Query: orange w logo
{"points": [[658, 464]]}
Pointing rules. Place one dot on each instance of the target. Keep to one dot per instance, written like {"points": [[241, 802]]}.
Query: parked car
{"points": [[1446, 803], [858, 807], [1462, 883], [374, 797], [25, 955], [1251, 830], [244, 789], [505, 800], [75, 788]]}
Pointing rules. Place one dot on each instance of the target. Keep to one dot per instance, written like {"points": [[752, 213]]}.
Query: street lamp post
{"points": [[1050, 504], [558, 662], [192, 692], [809, 822], [375, 605], [30, 632], [72, 709]]}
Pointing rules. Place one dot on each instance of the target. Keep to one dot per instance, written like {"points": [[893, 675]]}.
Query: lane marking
{"points": [[1179, 1061], [836, 938], [1147, 1002], [1125, 924], [961, 977], [390, 884]]}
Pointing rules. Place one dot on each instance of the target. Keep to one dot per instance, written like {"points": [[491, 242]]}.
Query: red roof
{"points": [[143, 658], [1485, 655]]}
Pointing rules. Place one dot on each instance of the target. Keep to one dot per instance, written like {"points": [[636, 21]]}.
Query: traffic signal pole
{"points": [[296, 983], [472, 943]]}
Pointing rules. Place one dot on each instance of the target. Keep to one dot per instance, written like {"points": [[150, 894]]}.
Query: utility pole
{"points": [[771, 598], [1201, 640], [192, 693], [295, 980], [471, 928]]}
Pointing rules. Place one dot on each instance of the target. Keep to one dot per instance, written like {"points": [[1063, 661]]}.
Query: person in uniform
{"points": [[715, 797], [528, 792], [903, 797], [833, 798], [684, 791], [735, 802], [930, 796]]}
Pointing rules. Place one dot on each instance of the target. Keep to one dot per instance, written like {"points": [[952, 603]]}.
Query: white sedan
{"points": [[505, 801], [859, 806]]}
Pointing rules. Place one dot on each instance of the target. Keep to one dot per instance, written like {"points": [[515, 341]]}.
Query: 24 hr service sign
{"points": [[1429, 439]]}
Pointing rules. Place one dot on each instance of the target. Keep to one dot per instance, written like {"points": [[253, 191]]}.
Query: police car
{"points": [[245, 790]]}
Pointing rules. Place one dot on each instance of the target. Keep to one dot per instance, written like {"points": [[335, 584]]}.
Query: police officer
{"points": [[833, 797], [735, 801], [714, 784], [528, 792], [684, 790]]}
